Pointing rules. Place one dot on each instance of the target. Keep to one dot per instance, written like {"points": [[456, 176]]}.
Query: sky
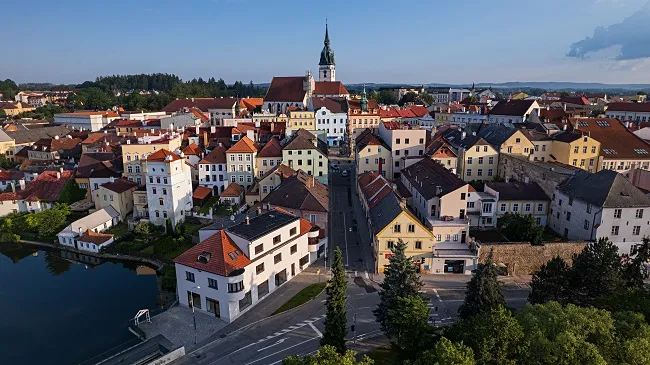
{"points": [[415, 41]]}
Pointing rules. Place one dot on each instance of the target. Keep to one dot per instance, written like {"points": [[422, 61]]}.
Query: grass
{"points": [[119, 229], [383, 356], [302, 297], [174, 253], [222, 211], [147, 250], [205, 209]]}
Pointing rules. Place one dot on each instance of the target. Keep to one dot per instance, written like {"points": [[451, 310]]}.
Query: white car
{"points": [[344, 173]]}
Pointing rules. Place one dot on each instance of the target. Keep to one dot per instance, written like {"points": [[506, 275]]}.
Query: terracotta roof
{"points": [[441, 149], [55, 144], [202, 104], [578, 100], [356, 104], [216, 156], [217, 254], [244, 145], [616, 141], [163, 155], [374, 187], [419, 110], [271, 149], [330, 88], [8, 175], [120, 185], [201, 192], [512, 107], [199, 114], [47, 186], [95, 237], [252, 103], [193, 149], [288, 88], [301, 192], [628, 107], [233, 190], [305, 226], [9, 196]]}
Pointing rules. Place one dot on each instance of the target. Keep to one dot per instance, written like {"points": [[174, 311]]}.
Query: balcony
{"points": [[447, 221]]}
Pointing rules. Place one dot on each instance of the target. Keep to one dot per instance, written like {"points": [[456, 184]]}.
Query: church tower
{"points": [[326, 66]]}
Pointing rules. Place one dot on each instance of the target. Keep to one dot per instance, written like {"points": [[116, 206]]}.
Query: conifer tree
{"points": [[635, 272], [550, 283], [335, 318], [483, 291]]}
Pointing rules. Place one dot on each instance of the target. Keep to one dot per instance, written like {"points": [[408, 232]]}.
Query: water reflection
{"points": [[15, 251], [55, 264]]}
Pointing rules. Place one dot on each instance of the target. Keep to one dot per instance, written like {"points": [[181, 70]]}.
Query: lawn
{"points": [[383, 356], [174, 253], [222, 210], [302, 297], [119, 229], [205, 209]]}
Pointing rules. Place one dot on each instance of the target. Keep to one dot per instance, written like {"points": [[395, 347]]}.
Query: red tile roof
{"points": [[222, 254], [95, 237], [7, 175], [616, 141], [47, 186], [9, 196], [252, 103], [201, 192], [244, 145], [199, 114], [193, 149], [628, 107], [305, 226], [271, 149], [288, 89], [330, 88], [233, 190], [216, 156], [374, 187], [162, 155]]}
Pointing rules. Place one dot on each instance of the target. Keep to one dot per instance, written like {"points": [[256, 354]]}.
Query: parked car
{"points": [[344, 173]]}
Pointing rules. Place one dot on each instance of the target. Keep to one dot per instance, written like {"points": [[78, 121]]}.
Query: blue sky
{"points": [[416, 41]]}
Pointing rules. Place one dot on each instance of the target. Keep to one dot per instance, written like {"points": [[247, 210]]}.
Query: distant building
{"points": [[331, 115], [513, 111], [76, 233], [92, 121], [240, 159]]}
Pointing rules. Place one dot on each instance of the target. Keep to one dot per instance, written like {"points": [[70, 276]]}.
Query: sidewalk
{"points": [[362, 227]]}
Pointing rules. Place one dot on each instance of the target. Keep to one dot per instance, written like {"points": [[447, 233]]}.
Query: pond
{"points": [[62, 308]]}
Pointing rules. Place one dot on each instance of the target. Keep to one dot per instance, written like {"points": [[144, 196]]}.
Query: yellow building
{"points": [[301, 119], [518, 144], [477, 158], [7, 144], [369, 152], [134, 155], [519, 96], [576, 150], [118, 194], [15, 108]]}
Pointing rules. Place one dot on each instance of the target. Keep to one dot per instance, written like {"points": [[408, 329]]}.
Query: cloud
{"points": [[632, 35]]}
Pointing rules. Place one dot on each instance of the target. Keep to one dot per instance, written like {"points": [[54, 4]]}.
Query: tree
{"points": [[55, 264], [519, 227], [327, 355], [143, 228], [483, 291], [169, 227], [550, 283], [408, 320], [400, 280], [635, 270], [642, 93], [50, 222], [5, 163], [447, 353], [71, 193], [335, 318], [409, 97], [387, 97], [427, 98], [596, 272]]}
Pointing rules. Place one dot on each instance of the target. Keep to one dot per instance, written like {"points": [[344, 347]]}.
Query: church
{"points": [[295, 91]]}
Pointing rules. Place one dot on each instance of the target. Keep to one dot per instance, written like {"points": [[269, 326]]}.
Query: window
{"points": [[636, 230], [462, 196], [418, 245], [448, 237], [503, 207], [470, 204], [259, 268], [617, 213], [406, 140], [478, 148], [588, 208], [189, 276], [479, 172], [259, 248], [639, 213], [235, 287], [469, 160], [614, 230], [540, 207], [515, 207], [480, 160], [421, 140], [570, 201], [576, 149], [411, 228], [568, 216], [277, 258], [212, 283], [586, 225], [397, 228], [469, 172], [164, 191], [397, 141], [293, 249], [160, 201], [439, 237], [293, 231], [391, 244], [527, 208]]}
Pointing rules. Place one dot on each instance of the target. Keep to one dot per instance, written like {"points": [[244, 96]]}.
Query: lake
{"points": [[55, 310]]}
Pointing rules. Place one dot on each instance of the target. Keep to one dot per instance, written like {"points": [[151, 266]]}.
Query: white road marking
{"points": [[435, 291], [315, 329], [364, 308], [276, 343], [285, 349]]}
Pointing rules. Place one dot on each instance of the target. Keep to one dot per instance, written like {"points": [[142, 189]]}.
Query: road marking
{"points": [[364, 308], [277, 352], [435, 291], [347, 257], [276, 343], [315, 329]]}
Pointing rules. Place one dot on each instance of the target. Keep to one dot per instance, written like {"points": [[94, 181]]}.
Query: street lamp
{"points": [[193, 314]]}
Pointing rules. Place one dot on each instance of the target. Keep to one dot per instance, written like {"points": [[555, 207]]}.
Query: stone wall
{"points": [[521, 258], [546, 174]]}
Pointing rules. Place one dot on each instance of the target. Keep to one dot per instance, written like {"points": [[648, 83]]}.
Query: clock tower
{"points": [[326, 66]]}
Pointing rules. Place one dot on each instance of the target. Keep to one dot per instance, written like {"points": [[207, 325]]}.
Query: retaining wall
{"points": [[522, 258]]}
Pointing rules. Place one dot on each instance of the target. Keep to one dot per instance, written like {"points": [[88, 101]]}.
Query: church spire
{"points": [[326, 55], [327, 36], [364, 100]]}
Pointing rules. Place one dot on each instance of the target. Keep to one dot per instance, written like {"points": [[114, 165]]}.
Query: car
{"points": [[334, 167], [344, 173]]}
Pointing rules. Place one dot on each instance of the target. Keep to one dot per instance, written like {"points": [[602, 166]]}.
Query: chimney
{"points": [[564, 127], [21, 183], [58, 175], [564, 106], [128, 141], [13, 187], [248, 221], [312, 181], [197, 130], [463, 135], [213, 129]]}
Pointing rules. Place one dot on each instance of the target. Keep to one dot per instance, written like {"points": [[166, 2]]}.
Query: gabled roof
{"points": [[300, 192], [628, 107], [120, 185], [330, 88], [304, 140], [8, 175], [517, 190], [192, 149], [374, 187], [441, 149], [455, 138], [47, 186], [431, 179], [288, 89], [202, 192], [216, 156], [233, 190], [271, 149], [496, 134], [616, 141], [163, 155], [512, 107], [369, 139], [92, 220], [95, 237], [334, 105], [606, 188], [33, 135], [263, 224], [244, 145], [217, 254]]}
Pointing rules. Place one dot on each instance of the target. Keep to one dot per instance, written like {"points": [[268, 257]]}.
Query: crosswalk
{"points": [[357, 274], [308, 322]]}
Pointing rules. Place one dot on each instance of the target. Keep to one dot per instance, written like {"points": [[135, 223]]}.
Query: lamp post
{"points": [[193, 314]]}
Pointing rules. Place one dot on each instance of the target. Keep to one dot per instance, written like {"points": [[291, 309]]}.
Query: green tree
{"points": [[327, 355], [143, 228], [3, 114], [596, 272], [335, 318], [519, 227], [387, 97], [495, 337], [5, 163], [408, 320], [409, 97], [635, 271], [71, 193], [550, 283], [169, 227], [51, 221], [400, 280], [427, 98], [642, 93], [483, 291], [446, 352]]}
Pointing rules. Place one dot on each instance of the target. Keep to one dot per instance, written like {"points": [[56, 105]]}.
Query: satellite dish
{"points": [[232, 218]]}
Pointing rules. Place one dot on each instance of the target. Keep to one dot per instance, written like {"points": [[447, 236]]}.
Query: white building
{"points": [[92, 121], [169, 187], [307, 152], [231, 270], [403, 140], [636, 112], [513, 111], [212, 170], [331, 115], [96, 222], [604, 204], [240, 159]]}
